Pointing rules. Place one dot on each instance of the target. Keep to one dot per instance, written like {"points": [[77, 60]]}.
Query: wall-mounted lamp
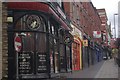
{"points": [[9, 19]]}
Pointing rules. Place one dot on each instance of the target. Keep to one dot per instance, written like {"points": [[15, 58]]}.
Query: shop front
{"points": [[76, 49], [77, 56], [86, 52], [37, 46], [98, 52], [90, 53]]}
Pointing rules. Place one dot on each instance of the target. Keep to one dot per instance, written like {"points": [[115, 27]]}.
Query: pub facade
{"points": [[39, 40]]}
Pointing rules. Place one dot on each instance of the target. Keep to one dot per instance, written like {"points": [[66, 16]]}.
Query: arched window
{"points": [[31, 22], [31, 28]]}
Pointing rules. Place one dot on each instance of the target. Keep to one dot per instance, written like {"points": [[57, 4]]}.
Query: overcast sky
{"points": [[111, 7]]}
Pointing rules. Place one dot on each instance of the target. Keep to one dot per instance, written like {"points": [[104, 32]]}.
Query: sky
{"points": [[111, 7]]}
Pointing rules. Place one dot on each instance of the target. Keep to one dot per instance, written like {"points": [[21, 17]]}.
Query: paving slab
{"points": [[108, 70], [103, 70]]}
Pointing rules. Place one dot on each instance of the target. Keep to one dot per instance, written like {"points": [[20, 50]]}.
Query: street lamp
{"points": [[114, 24]]}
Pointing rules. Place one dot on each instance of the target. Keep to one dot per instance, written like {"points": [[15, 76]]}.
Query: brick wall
{"points": [[103, 17], [4, 42], [0, 40], [73, 11], [89, 19]]}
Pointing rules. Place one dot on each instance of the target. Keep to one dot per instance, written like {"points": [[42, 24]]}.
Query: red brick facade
{"points": [[84, 15], [113, 45], [103, 17]]}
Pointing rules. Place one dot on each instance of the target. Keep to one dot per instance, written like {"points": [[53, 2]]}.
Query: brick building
{"points": [[51, 24], [112, 43], [104, 25], [72, 10], [85, 19], [4, 44], [0, 41], [91, 20], [85, 16]]}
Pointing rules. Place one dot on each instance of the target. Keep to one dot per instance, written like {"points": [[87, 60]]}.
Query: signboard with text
{"points": [[41, 63], [25, 63]]}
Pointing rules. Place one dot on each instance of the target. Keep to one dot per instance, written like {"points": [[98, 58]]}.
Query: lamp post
{"points": [[115, 24]]}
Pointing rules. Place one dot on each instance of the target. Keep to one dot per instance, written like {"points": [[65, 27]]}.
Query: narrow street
{"points": [[103, 69], [55, 39]]}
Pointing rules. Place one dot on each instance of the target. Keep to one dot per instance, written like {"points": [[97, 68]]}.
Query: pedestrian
{"points": [[118, 56], [115, 54], [110, 52]]}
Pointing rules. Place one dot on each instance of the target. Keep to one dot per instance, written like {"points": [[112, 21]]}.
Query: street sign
{"points": [[17, 43]]}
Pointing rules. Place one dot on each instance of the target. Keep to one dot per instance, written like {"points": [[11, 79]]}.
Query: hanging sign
{"points": [[17, 43], [85, 42], [68, 39], [97, 34]]}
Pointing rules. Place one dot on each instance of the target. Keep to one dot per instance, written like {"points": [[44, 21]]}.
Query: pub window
{"points": [[21, 23], [28, 41], [56, 55], [51, 54], [62, 47], [33, 43], [62, 57], [52, 60], [53, 41], [68, 57], [62, 52], [53, 30], [41, 42], [56, 31]]}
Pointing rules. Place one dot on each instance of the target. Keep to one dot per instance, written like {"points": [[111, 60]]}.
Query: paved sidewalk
{"points": [[108, 70], [103, 69], [89, 72], [119, 73]]}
